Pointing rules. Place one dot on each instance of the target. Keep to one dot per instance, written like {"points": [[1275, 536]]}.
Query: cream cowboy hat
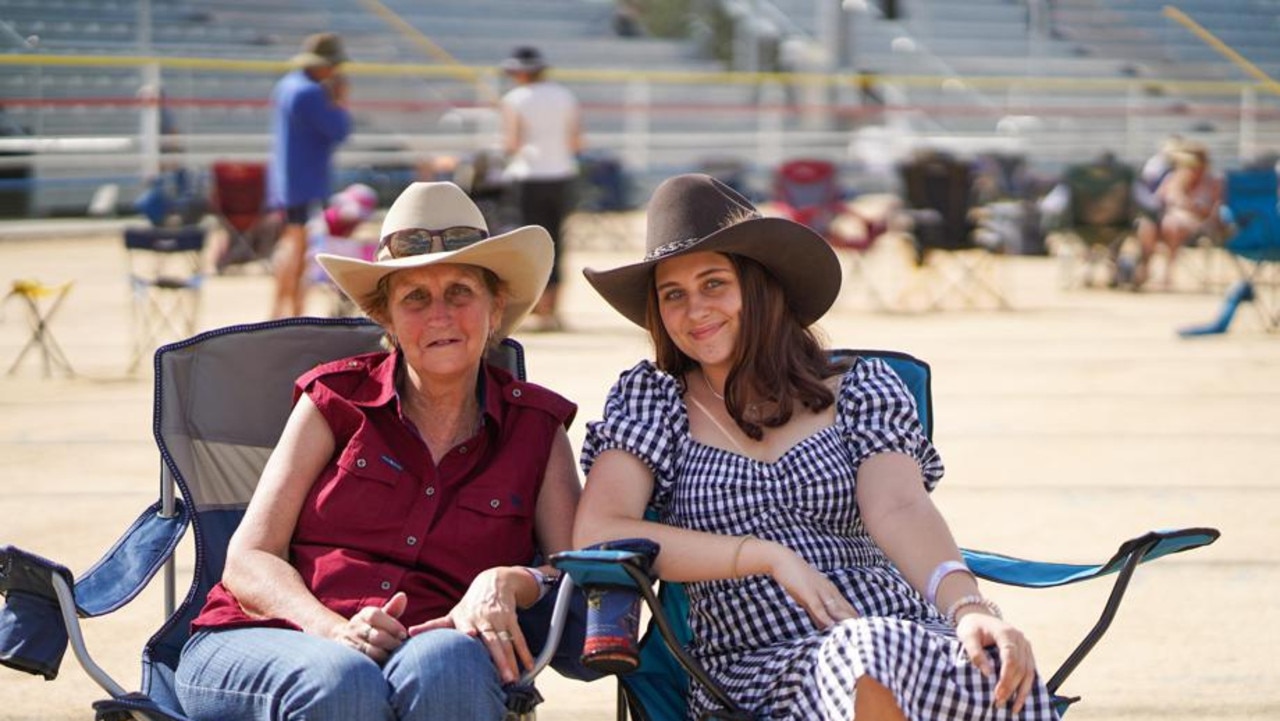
{"points": [[522, 258], [691, 213]]}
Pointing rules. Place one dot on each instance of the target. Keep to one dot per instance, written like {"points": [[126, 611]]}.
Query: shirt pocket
{"points": [[500, 519], [365, 491]]}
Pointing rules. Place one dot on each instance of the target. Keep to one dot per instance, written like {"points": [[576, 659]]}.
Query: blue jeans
{"points": [[270, 674]]}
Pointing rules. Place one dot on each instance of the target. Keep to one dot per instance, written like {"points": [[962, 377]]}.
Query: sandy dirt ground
{"points": [[1068, 424]]}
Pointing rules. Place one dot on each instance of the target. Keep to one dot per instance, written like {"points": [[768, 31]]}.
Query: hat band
{"points": [[419, 241], [674, 246]]}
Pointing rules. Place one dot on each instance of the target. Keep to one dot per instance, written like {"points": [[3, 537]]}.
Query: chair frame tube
{"points": [[1104, 621], [692, 667], [67, 605], [563, 598]]}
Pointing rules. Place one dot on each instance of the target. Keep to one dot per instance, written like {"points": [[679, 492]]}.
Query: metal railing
{"points": [[88, 126]]}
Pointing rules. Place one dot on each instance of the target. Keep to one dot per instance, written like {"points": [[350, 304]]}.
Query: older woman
{"points": [[379, 567], [793, 493]]}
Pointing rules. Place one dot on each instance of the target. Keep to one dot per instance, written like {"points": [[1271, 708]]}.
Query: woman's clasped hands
{"points": [[376, 631], [488, 611]]}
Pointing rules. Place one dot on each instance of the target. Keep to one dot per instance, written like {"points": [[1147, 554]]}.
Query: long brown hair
{"points": [[776, 363]]}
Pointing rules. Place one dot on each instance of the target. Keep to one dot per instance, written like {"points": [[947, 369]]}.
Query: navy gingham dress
{"points": [[749, 633]]}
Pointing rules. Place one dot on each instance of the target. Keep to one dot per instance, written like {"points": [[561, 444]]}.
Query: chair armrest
{"points": [[1040, 574], [124, 570], [601, 567], [35, 623], [1135, 551]]}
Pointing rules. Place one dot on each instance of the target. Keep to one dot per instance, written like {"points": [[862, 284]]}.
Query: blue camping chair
{"points": [[1252, 215], [221, 402], [1254, 245], [657, 689]]}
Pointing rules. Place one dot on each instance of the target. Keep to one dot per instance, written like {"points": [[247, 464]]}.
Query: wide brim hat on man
{"points": [[693, 213], [522, 258], [320, 50]]}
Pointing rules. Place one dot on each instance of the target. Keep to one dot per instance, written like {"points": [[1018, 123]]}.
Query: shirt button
{"points": [[494, 503], [353, 364], [431, 490], [516, 393], [361, 463], [411, 540], [462, 449], [386, 585]]}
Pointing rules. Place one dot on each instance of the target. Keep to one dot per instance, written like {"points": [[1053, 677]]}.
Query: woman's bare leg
{"points": [[874, 702]]}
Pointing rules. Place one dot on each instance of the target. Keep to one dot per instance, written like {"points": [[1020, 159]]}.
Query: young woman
{"points": [[792, 494]]}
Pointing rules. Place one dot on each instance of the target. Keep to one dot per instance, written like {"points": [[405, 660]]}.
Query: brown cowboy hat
{"points": [[321, 50], [693, 212]]}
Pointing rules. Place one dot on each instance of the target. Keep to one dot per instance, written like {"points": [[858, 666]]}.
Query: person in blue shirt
{"points": [[309, 120]]}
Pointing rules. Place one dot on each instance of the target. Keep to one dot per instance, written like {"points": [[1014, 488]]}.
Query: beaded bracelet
{"points": [[971, 600], [944, 569]]}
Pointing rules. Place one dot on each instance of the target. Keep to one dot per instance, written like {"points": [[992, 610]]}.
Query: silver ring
{"points": [[368, 634], [828, 601], [504, 636]]}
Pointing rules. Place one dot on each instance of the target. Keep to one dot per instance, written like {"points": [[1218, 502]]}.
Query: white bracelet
{"points": [[973, 600], [944, 569], [545, 582]]}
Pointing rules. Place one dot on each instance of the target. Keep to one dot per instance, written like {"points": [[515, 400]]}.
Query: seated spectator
{"points": [[393, 537], [1189, 198]]}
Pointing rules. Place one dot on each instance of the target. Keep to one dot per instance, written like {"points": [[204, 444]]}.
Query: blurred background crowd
{"points": [[958, 118]]}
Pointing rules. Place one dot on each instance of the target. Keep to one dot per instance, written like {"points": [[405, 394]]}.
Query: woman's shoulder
{"points": [[646, 379], [864, 375], [345, 372], [859, 367], [527, 394]]}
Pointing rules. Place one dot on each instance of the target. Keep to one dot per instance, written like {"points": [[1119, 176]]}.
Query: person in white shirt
{"points": [[542, 137]]}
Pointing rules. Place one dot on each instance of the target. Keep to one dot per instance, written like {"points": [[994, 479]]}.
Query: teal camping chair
{"points": [[221, 402], [657, 689], [1252, 215]]}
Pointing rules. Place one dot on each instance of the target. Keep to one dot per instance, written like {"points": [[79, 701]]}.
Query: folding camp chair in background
{"points": [[239, 201], [657, 690], [222, 399], [166, 275], [601, 217], [952, 263], [1253, 244], [1254, 241], [41, 303], [1090, 232], [808, 191]]}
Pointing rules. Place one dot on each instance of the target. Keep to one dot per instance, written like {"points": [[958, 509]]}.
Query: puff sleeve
{"points": [[644, 416], [878, 415]]}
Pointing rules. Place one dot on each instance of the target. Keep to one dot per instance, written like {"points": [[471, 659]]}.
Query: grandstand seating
{"points": [[948, 38]]}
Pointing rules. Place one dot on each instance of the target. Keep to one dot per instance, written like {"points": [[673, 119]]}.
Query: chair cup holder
{"points": [[32, 636], [612, 643]]}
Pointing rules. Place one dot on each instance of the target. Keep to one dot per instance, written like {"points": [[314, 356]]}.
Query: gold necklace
{"points": [[707, 380]]}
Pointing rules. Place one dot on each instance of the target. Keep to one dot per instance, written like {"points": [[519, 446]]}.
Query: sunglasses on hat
{"points": [[418, 241]]}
